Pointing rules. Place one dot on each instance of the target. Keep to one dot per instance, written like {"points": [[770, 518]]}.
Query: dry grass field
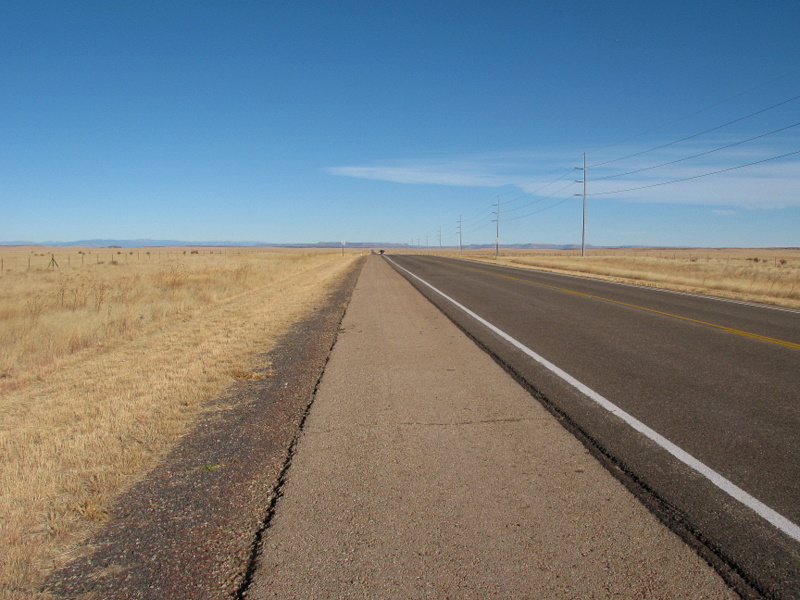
{"points": [[107, 359], [764, 275]]}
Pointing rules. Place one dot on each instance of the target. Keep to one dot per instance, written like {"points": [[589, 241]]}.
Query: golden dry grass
{"points": [[764, 275], [104, 366]]}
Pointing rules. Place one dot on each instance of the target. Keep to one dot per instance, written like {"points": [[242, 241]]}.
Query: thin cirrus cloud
{"points": [[769, 185], [418, 174], [753, 191], [712, 180], [477, 171]]}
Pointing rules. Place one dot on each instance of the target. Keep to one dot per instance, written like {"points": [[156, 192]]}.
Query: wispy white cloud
{"points": [[488, 170], [749, 191], [768, 185], [418, 173], [711, 180]]}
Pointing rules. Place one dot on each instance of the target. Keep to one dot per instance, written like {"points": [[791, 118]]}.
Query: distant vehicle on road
{"points": [[382, 251]]}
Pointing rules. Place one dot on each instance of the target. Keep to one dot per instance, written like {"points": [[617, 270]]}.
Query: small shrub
{"points": [[35, 306], [100, 291], [173, 278]]}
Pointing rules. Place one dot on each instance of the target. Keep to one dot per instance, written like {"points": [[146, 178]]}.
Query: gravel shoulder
{"points": [[425, 471], [189, 529]]}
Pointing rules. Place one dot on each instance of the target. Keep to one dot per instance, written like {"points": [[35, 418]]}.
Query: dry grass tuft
{"points": [[248, 375], [105, 364]]}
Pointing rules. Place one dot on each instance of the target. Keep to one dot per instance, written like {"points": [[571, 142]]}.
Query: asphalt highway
{"points": [[692, 402]]}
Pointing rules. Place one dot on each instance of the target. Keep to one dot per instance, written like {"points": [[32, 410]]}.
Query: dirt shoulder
{"points": [[188, 530]]}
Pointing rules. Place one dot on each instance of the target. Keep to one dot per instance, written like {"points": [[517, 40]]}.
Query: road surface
{"points": [[693, 402], [425, 471]]}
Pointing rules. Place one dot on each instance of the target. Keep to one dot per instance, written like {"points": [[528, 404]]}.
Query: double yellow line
{"points": [[755, 336]]}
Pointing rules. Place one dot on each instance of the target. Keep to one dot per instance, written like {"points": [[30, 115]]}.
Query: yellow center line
{"points": [[756, 336]]}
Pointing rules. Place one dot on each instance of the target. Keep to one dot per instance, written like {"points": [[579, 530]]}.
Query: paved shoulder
{"points": [[424, 470]]}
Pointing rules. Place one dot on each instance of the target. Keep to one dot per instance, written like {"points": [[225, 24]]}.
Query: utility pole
{"points": [[583, 226], [583, 233], [427, 244], [460, 229], [440, 238], [497, 239]]}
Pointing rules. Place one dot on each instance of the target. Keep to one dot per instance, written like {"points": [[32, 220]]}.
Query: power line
{"points": [[672, 162], [536, 191], [571, 183], [486, 213], [763, 110], [483, 218], [486, 217], [702, 110], [460, 242], [583, 234], [543, 209], [497, 238], [479, 227], [758, 162]]}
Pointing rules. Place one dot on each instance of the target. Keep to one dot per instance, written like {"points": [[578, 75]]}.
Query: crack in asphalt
{"points": [[363, 427], [277, 492], [475, 422]]}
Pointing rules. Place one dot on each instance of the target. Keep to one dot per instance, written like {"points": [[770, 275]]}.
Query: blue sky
{"points": [[365, 121]]}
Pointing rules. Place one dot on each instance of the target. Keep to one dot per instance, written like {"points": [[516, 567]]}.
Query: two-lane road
{"points": [[693, 402]]}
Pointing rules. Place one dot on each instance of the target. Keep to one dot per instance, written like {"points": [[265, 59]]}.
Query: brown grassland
{"points": [[107, 359], [763, 275]]}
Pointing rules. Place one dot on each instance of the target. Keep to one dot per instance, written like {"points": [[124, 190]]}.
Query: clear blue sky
{"points": [[370, 121]]}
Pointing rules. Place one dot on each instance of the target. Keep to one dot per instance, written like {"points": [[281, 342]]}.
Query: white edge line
{"points": [[770, 515]]}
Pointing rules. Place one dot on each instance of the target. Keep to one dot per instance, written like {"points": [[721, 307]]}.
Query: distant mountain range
{"points": [[157, 243], [131, 243]]}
